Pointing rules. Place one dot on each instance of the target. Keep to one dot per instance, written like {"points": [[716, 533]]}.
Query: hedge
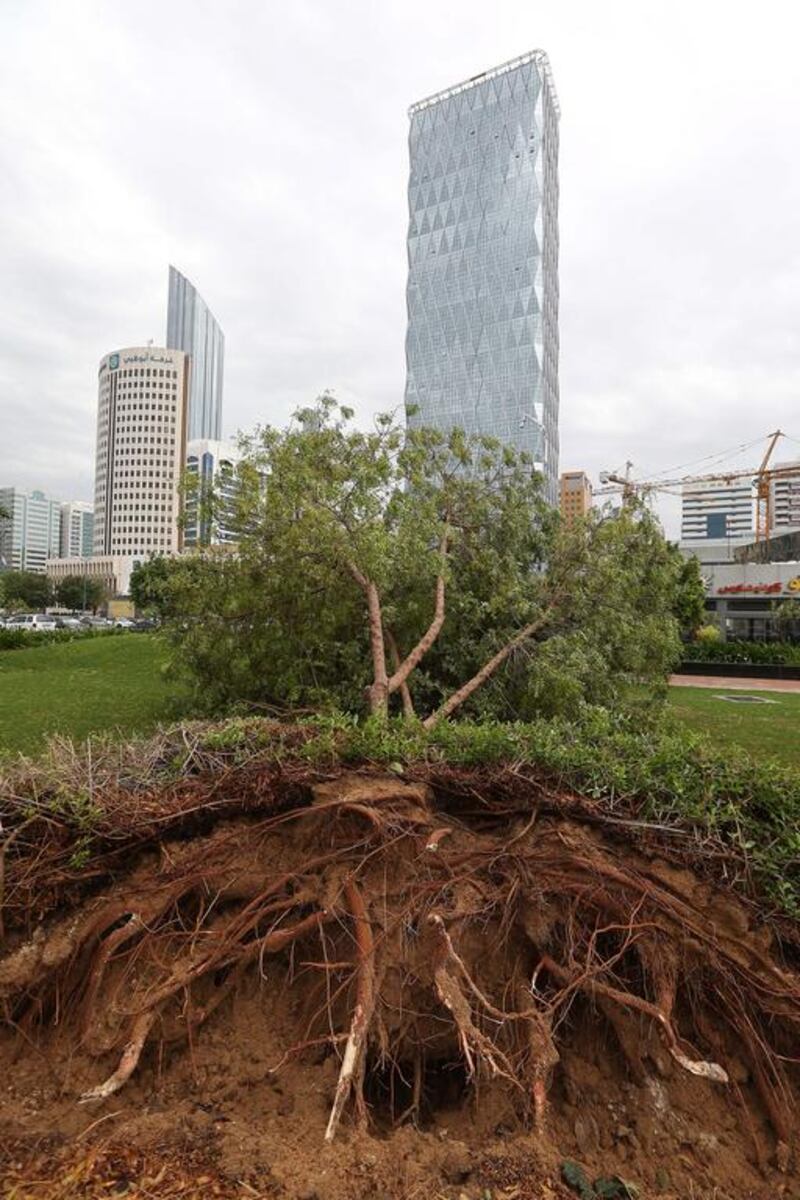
{"points": [[784, 654]]}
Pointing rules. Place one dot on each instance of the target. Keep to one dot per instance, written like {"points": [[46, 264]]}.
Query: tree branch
{"points": [[463, 693], [429, 637], [358, 575], [405, 694]]}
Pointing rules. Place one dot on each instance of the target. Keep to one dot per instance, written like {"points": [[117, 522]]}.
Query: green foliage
{"points": [[764, 653], [283, 622], [78, 592], [787, 618], [708, 635], [690, 604], [24, 590], [149, 585]]}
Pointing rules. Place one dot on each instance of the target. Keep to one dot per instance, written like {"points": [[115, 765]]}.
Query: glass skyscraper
{"points": [[191, 327], [482, 341]]}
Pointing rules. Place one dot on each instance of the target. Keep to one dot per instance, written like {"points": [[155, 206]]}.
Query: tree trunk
{"points": [[378, 691], [424, 644]]}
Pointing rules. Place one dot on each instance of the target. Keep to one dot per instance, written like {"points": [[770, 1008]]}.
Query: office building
{"points": [[77, 529], [141, 450], [575, 495], [191, 327], [482, 295], [30, 532], [786, 498], [717, 515], [211, 501], [113, 571]]}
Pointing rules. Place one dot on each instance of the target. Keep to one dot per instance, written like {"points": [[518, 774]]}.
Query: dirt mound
{"points": [[374, 990]]}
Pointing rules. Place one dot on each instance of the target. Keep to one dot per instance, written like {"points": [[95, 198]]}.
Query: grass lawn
{"points": [[115, 683], [763, 730], [80, 687]]}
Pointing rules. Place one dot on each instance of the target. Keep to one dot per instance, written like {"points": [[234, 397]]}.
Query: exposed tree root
{"points": [[469, 945], [351, 1074]]}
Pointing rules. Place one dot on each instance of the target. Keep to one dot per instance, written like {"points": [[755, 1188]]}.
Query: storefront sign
{"points": [[760, 589]]}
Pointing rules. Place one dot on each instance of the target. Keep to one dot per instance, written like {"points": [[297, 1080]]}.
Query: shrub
{"points": [[21, 639], [765, 653]]}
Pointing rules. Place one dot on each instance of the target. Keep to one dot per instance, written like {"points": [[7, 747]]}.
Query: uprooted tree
{"points": [[420, 570]]}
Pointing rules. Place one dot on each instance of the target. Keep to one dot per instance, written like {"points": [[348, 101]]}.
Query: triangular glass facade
{"points": [[482, 341]]}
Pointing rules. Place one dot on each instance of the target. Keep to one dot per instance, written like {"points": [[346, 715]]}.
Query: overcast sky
{"points": [[261, 147]]}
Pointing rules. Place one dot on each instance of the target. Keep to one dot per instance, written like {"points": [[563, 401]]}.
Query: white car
{"points": [[32, 622]]}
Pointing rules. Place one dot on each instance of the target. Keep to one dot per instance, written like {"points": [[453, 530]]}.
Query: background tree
{"points": [[415, 571], [80, 592], [25, 590], [149, 585], [690, 606], [787, 619]]}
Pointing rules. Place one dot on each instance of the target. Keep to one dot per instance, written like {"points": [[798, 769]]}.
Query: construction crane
{"points": [[616, 484], [764, 491]]}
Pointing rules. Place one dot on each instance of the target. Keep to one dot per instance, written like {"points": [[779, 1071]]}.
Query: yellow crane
{"points": [[763, 477]]}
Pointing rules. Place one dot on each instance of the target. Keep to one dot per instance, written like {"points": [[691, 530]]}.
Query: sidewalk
{"points": [[723, 684]]}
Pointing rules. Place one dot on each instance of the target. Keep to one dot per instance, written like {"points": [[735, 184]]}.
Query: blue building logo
{"points": [[113, 362]]}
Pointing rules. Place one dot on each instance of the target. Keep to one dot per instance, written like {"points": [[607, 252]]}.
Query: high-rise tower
{"points": [[141, 451], [191, 327], [482, 341]]}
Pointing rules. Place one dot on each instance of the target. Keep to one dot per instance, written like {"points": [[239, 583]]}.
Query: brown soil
{"points": [[510, 992]]}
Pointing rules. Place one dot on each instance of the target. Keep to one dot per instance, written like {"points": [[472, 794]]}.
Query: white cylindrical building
{"points": [[141, 450]]}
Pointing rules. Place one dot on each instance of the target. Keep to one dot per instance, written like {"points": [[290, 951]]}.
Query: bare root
{"points": [[475, 942]]}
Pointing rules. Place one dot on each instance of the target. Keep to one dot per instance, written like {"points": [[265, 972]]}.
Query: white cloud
{"points": [[262, 149]]}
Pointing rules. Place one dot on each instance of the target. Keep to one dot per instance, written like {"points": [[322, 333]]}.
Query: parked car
{"points": [[32, 622], [124, 623], [95, 623], [68, 623]]}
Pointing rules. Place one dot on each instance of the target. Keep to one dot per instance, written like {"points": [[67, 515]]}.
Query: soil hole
{"points": [[401, 1091]]}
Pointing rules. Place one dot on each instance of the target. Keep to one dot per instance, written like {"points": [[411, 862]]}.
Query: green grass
{"points": [[106, 684], [81, 687], [763, 730]]}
